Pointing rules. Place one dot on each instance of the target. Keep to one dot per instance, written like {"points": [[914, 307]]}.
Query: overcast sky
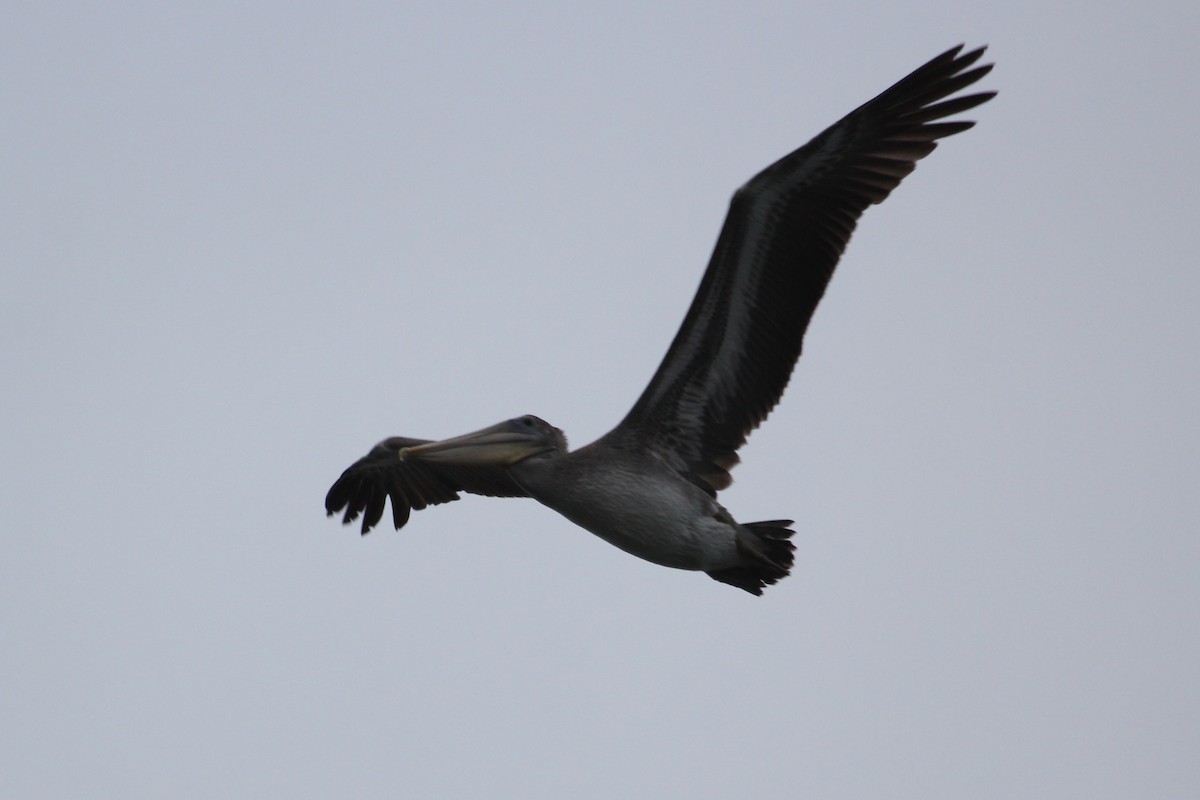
{"points": [[243, 242]]}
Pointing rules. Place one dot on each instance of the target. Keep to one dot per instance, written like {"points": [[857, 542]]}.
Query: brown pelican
{"points": [[649, 486]]}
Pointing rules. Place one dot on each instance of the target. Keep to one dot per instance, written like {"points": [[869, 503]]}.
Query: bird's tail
{"points": [[765, 545]]}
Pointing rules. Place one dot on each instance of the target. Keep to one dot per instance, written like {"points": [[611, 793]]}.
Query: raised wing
{"points": [[783, 236], [410, 484]]}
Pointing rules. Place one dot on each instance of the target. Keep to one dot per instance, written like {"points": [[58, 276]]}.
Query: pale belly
{"points": [[668, 522]]}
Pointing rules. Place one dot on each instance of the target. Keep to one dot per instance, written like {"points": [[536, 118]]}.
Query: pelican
{"points": [[649, 486]]}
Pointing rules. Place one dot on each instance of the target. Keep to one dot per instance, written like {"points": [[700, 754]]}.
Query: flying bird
{"points": [[649, 486]]}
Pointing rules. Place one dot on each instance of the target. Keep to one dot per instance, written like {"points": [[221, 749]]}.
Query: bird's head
{"points": [[501, 445]]}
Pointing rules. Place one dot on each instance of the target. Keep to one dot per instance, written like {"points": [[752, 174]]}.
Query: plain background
{"points": [[243, 242]]}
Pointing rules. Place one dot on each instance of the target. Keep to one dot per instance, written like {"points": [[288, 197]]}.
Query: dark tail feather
{"points": [[769, 551]]}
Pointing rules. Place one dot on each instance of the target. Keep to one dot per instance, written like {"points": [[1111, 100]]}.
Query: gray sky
{"points": [[242, 244]]}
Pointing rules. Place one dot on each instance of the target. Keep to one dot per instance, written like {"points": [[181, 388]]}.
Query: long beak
{"points": [[500, 445]]}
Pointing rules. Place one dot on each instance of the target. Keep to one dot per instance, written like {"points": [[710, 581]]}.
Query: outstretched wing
{"points": [[783, 236], [410, 484]]}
